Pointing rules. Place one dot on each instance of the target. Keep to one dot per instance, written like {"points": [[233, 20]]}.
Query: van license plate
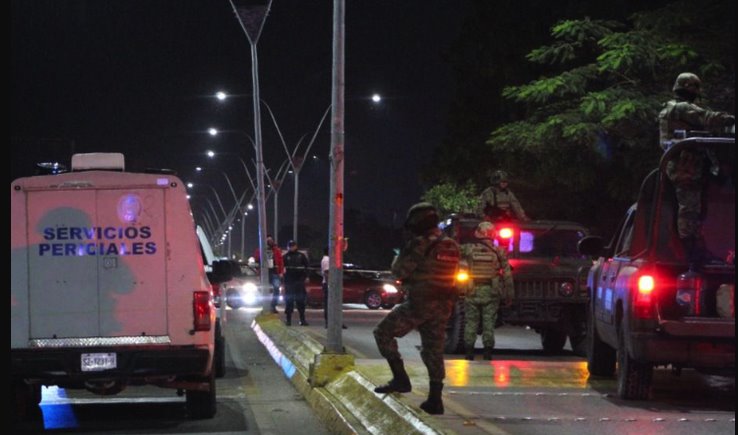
{"points": [[94, 362]]}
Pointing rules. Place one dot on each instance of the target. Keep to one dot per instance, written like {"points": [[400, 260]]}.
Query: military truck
{"points": [[653, 301], [548, 274]]}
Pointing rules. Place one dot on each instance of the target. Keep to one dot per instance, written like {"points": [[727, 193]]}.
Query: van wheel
{"points": [[634, 378], [553, 340], [202, 404], [600, 356], [373, 300], [25, 399], [219, 357]]}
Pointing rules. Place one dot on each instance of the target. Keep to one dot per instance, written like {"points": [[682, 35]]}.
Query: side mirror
{"points": [[591, 245], [222, 272]]}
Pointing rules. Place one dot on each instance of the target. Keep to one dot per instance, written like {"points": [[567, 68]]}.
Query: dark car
{"points": [[370, 287]]}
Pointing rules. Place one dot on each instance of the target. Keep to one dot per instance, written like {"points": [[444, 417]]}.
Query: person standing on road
{"points": [[687, 171], [427, 266], [498, 203], [275, 263], [490, 284], [324, 268], [295, 279]]}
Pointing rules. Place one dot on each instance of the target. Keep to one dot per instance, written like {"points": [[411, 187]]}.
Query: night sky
{"points": [[138, 77]]}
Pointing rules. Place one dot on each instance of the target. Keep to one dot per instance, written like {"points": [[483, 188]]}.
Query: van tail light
{"points": [[201, 309], [644, 297]]}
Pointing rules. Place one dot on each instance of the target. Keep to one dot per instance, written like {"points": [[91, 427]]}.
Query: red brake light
{"points": [[646, 285], [644, 297], [201, 310], [506, 233]]}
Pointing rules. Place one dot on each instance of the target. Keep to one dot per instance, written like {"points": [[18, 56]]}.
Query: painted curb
{"points": [[348, 403]]}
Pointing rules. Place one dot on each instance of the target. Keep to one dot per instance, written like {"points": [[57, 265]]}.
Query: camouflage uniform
{"points": [[427, 266], [490, 283], [686, 172], [504, 200]]}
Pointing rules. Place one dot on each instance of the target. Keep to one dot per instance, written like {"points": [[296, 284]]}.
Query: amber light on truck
{"points": [[644, 296], [201, 310]]}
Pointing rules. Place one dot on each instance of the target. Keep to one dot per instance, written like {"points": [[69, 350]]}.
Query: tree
{"points": [[588, 131], [449, 197]]}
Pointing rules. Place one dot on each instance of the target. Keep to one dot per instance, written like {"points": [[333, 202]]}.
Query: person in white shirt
{"points": [[324, 267]]}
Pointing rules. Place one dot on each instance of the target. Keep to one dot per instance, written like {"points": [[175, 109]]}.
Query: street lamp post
{"points": [[252, 20], [336, 242]]}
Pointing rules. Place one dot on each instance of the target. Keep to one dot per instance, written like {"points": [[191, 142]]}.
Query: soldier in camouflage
{"points": [[427, 265], [497, 202], [491, 283], [687, 171]]}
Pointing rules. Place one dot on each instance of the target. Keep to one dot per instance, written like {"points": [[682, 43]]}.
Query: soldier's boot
{"points": [[400, 382], [470, 353], [434, 403], [488, 353]]}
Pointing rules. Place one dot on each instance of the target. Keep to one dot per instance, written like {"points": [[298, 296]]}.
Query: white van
{"points": [[108, 286]]}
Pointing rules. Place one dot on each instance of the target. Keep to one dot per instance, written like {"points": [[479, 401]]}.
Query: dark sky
{"points": [[137, 77]]}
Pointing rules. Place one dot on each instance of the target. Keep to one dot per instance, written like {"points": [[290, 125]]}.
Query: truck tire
{"points": [[553, 340], [454, 343], [634, 378], [202, 404], [219, 357], [600, 356], [578, 330]]}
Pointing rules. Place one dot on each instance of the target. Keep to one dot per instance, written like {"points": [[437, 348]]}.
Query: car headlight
{"points": [[249, 287], [389, 288], [566, 289]]}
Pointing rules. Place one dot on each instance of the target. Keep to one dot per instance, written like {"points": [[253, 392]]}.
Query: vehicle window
{"points": [[622, 249], [550, 243]]}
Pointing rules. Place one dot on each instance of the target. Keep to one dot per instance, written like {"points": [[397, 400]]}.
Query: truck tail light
{"points": [[644, 296], [201, 310], [506, 233]]}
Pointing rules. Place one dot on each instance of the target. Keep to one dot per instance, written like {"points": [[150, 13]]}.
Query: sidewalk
{"points": [[341, 389]]}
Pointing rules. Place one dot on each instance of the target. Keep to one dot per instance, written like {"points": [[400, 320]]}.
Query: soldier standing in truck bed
{"points": [[676, 119], [497, 202]]}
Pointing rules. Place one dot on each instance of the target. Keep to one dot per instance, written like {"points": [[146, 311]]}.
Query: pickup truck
{"points": [[651, 303]]}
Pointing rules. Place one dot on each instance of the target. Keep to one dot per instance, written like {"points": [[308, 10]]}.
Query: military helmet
{"points": [[498, 176], [486, 229], [421, 217], [687, 82]]}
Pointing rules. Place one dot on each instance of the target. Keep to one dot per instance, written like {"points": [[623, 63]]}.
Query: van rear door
{"points": [[85, 244]]}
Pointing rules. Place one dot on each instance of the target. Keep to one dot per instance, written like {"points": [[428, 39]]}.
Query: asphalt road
{"points": [[521, 391], [254, 397], [524, 391]]}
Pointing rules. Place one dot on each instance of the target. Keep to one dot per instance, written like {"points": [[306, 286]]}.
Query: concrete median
{"points": [[340, 394]]}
